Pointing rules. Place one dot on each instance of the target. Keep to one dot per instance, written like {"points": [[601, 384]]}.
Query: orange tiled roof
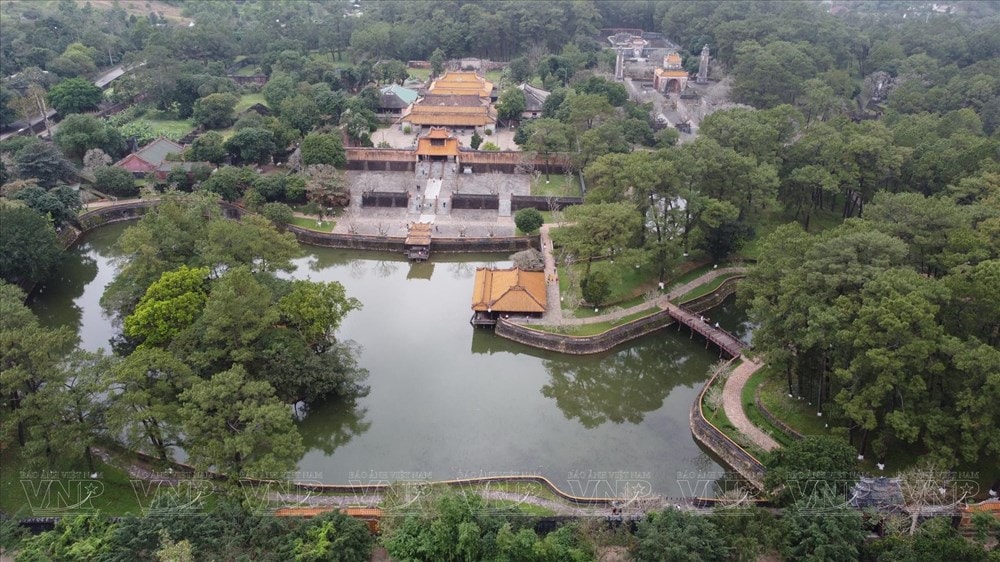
{"points": [[419, 234], [671, 73], [508, 290], [461, 83]]}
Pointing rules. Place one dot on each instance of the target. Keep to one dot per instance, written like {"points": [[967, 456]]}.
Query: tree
{"points": [[60, 203], [325, 185], [75, 95], [814, 464], [315, 311], [238, 427], [230, 182], [319, 148], [95, 158], [251, 146], [595, 288], [674, 536], [79, 133], [7, 113], [115, 181], [146, 386], [299, 112], [546, 136], [215, 111], [279, 86], [29, 252], [208, 147], [476, 140], [824, 529], [43, 162], [29, 354], [170, 305], [598, 230], [528, 220], [510, 104], [437, 62], [336, 537], [278, 213], [70, 409]]}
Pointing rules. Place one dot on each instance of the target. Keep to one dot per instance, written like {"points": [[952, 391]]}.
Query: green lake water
{"points": [[449, 401]]}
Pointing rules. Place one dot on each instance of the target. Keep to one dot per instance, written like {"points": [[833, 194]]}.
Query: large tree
{"points": [[29, 251], [79, 133], [319, 148], [598, 230], [238, 427], [75, 95], [215, 111]]}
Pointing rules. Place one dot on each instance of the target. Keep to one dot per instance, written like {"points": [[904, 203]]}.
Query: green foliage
{"points": [[170, 305], [598, 230], [334, 537], [595, 288], [299, 112], [75, 539], [79, 133], [476, 140], [510, 104], [319, 148], [674, 536], [489, 147], [43, 162], [814, 464], [252, 146], [60, 204], [29, 251], [822, 528], [115, 181], [463, 527], [140, 130], [278, 213], [238, 426], [528, 220], [230, 182], [75, 95], [208, 148], [315, 311], [215, 111]]}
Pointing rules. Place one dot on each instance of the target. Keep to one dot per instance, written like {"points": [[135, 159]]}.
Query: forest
{"points": [[859, 174]]}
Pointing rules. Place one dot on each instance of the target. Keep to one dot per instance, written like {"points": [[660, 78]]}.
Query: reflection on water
{"points": [[450, 401], [619, 387]]}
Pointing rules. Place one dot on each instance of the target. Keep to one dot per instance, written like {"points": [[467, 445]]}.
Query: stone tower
{"points": [[703, 67]]}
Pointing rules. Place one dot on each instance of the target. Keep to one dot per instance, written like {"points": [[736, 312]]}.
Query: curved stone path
{"points": [[732, 402]]}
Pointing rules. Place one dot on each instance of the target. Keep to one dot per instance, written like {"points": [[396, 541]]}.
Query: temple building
{"points": [[507, 292], [455, 83], [463, 112], [534, 99], [438, 144], [671, 77]]}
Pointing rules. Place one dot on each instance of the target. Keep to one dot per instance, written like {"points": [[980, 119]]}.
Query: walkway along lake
{"points": [[449, 401]]}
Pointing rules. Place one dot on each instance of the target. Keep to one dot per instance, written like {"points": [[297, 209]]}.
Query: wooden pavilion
{"points": [[507, 292], [417, 245], [438, 144]]}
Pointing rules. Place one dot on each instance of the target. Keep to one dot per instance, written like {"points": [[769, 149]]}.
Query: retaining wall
{"points": [[583, 345], [745, 464], [518, 202], [772, 419]]}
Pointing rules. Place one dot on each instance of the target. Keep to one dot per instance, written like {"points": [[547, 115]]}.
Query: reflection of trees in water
{"points": [[462, 270], [621, 387], [332, 425], [385, 268], [77, 270]]}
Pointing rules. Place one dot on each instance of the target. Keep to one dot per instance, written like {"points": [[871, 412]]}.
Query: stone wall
{"points": [[715, 298], [385, 199], [737, 458], [583, 345], [518, 202], [474, 201], [772, 419]]}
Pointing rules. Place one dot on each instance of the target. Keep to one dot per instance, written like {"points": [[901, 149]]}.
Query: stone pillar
{"points": [[703, 67]]}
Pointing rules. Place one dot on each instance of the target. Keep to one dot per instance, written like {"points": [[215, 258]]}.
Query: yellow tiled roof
{"points": [[508, 290]]}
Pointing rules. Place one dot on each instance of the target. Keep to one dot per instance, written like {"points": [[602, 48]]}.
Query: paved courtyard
{"points": [[430, 190]]}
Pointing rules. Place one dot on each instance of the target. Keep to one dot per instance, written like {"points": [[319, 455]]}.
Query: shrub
{"points": [[278, 213], [489, 147], [407, 129], [115, 181], [595, 288], [528, 220]]}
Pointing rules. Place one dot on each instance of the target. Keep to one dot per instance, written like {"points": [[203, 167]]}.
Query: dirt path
{"points": [[732, 400]]}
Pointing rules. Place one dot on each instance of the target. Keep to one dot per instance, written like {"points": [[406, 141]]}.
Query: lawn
{"points": [[246, 100], [702, 290], [419, 73], [170, 128], [597, 327], [628, 283], [559, 186], [798, 414], [756, 417], [325, 226], [20, 488]]}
